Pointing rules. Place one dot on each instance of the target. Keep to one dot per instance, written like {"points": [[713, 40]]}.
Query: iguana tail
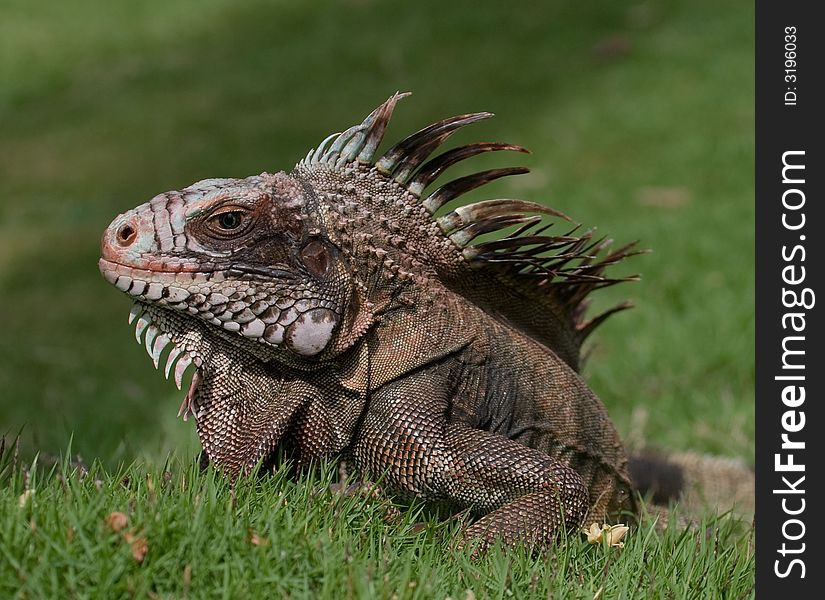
{"points": [[696, 481]]}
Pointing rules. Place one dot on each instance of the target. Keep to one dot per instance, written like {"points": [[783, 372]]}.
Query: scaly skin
{"points": [[327, 311]]}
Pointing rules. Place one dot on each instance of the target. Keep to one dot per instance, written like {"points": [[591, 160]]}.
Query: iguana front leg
{"points": [[410, 439]]}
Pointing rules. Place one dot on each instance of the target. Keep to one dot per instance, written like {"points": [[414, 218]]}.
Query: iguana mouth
{"points": [[149, 284]]}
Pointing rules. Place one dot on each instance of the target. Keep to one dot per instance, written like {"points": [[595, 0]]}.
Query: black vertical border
{"points": [[781, 128]]}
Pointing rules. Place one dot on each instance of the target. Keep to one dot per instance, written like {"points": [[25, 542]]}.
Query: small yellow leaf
{"points": [[615, 534], [187, 577], [594, 533], [24, 498]]}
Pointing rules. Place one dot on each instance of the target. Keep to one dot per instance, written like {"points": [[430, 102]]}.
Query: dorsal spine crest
{"points": [[553, 273]]}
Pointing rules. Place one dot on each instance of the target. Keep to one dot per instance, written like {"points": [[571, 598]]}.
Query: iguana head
{"points": [[245, 256]]}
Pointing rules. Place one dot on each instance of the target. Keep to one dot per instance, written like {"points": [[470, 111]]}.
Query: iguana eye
{"points": [[229, 222]]}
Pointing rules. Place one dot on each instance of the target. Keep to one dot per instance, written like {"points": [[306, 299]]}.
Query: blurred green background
{"points": [[639, 116]]}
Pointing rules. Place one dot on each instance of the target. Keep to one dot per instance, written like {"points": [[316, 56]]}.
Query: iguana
{"points": [[345, 309]]}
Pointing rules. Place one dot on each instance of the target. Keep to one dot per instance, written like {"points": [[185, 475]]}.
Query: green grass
{"points": [[640, 119], [273, 537]]}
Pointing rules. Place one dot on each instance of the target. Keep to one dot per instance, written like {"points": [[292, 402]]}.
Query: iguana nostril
{"points": [[126, 234]]}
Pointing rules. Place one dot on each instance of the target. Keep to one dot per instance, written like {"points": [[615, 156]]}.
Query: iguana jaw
{"points": [[189, 292]]}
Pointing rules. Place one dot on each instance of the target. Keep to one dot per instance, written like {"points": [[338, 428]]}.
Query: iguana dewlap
{"points": [[346, 307]]}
